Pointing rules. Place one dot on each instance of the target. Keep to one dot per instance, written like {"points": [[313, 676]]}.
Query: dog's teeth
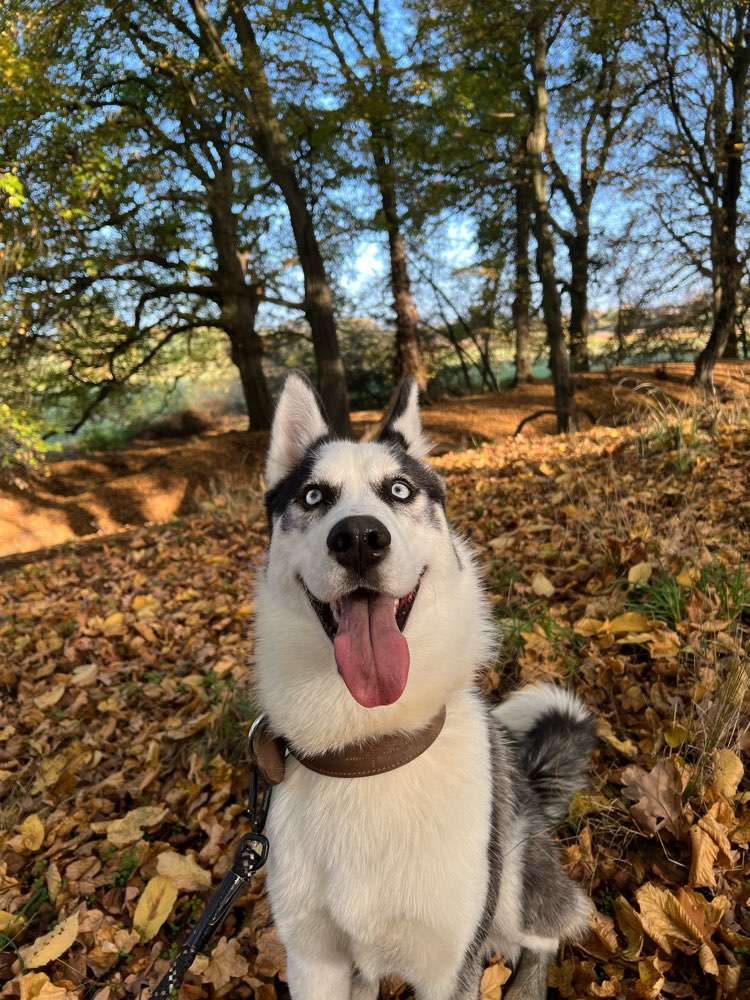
{"points": [[336, 611]]}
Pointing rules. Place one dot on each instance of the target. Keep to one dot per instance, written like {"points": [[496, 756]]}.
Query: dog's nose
{"points": [[359, 542]]}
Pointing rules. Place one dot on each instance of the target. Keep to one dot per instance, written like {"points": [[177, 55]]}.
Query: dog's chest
{"points": [[406, 849]]}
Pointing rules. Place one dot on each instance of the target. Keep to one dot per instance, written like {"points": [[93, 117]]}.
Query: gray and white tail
{"points": [[555, 734]]}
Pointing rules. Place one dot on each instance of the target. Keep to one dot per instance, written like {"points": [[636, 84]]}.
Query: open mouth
{"points": [[371, 652], [329, 615]]}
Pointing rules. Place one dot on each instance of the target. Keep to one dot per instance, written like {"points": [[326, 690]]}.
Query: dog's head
{"points": [[367, 600]]}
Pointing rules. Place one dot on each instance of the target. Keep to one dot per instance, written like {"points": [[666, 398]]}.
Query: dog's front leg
{"points": [[318, 973]]}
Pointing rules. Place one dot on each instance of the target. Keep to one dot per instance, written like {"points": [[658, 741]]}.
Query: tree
{"points": [[597, 90], [545, 246], [376, 95], [702, 59], [226, 37]]}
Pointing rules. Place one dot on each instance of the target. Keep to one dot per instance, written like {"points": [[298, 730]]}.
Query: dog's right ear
{"points": [[403, 422], [298, 422]]}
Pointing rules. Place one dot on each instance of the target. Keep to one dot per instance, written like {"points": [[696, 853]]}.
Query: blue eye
{"points": [[400, 490], [313, 496]]}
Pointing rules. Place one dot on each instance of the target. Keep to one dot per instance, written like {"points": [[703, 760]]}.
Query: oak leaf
{"points": [[226, 963], [656, 796]]}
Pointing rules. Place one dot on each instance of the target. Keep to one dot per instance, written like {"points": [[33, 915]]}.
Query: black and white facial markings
{"points": [[302, 449]]}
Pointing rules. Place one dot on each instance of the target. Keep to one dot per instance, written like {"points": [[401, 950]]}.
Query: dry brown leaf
{"points": [[728, 772], [650, 977], [639, 574], [631, 927], [630, 621], [32, 832], [666, 921], [271, 959], [656, 796], [184, 872], [54, 881], [154, 906], [129, 828], [541, 586], [52, 945], [32, 984], [493, 980], [10, 921], [225, 963]]}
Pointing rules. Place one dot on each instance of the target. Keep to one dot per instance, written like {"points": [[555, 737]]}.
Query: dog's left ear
{"points": [[298, 422], [404, 423]]}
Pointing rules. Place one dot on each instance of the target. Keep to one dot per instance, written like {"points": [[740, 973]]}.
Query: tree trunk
{"points": [[272, 145], [545, 255], [522, 289], [407, 359], [238, 319], [238, 299], [579, 298], [727, 265]]}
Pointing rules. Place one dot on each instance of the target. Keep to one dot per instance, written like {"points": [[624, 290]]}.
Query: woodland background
{"points": [[529, 207]]}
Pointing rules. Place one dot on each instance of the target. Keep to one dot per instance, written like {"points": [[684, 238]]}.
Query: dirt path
{"points": [[106, 492]]}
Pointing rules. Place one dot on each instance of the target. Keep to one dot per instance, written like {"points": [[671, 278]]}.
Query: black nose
{"points": [[359, 542]]}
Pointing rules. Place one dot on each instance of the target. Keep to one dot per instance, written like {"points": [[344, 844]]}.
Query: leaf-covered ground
{"points": [[617, 561]]}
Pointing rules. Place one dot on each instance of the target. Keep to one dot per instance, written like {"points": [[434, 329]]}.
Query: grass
{"points": [[662, 599]]}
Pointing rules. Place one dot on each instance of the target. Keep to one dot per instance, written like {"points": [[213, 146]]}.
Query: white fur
{"points": [[409, 424], [386, 874], [298, 422], [523, 708]]}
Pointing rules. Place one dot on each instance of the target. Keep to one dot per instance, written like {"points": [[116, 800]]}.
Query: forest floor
{"points": [[616, 560], [153, 479]]}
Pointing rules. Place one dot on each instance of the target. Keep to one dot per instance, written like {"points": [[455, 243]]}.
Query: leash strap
{"points": [[251, 856]]}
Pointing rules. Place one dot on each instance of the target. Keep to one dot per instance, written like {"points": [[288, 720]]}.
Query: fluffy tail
{"points": [[555, 733]]}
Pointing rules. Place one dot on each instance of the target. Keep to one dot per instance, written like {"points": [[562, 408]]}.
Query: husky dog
{"points": [[370, 620]]}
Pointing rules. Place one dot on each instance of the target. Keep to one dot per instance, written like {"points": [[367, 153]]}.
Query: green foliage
{"points": [[22, 443], [662, 599]]}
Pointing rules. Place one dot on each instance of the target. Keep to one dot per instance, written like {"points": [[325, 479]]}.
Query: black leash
{"points": [[251, 856]]}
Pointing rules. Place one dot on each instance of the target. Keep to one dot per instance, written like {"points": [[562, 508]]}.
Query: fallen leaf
{"points": [[631, 621], [185, 874], [154, 906], [32, 832], [656, 796], [631, 927], [10, 921], [666, 921], [52, 945], [639, 574], [129, 828], [225, 964], [32, 984], [541, 586], [728, 772], [493, 980]]}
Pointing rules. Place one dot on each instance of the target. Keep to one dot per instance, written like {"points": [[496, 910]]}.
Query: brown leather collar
{"points": [[355, 760]]}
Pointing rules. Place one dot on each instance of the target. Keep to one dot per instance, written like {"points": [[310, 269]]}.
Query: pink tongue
{"points": [[371, 653]]}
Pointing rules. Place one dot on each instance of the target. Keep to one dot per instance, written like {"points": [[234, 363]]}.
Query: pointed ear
{"points": [[404, 422], [298, 422]]}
